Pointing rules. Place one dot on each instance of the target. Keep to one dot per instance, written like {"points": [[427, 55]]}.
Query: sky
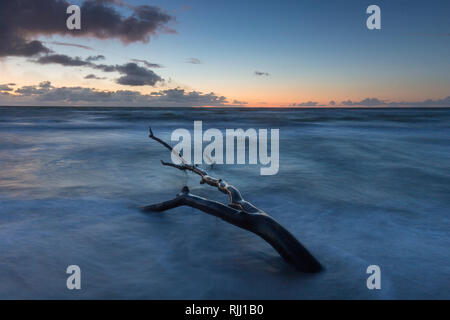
{"points": [[183, 53]]}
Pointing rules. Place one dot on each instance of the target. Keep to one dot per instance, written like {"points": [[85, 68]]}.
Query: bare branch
{"points": [[152, 136], [236, 199], [261, 224], [240, 213]]}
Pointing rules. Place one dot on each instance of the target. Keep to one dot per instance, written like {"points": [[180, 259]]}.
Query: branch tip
{"points": [[185, 189]]}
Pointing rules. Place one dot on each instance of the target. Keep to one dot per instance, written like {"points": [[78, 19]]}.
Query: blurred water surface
{"points": [[357, 187]]}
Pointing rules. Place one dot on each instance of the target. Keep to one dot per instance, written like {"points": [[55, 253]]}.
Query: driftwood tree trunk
{"points": [[239, 213]]}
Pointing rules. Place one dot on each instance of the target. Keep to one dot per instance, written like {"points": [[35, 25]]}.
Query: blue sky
{"points": [[311, 50]]}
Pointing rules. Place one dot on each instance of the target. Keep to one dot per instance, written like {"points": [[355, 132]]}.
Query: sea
{"points": [[357, 187]]}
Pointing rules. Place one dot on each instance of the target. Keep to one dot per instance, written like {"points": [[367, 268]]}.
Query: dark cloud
{"points": [[306, 104], [6, 87], [375, 102], [46, 94], [132, 74], [95, 58], [105, 22], [21, 21], [259, 73], [10, 46], [194, 61], [438, 103], [40, 89], [135, 75], [71, 45], [193, 97], [45, 84], [441, 102], [147, 64], [93, 76], [104, 67], [237, 102], [368, 102], [62, 60]]}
